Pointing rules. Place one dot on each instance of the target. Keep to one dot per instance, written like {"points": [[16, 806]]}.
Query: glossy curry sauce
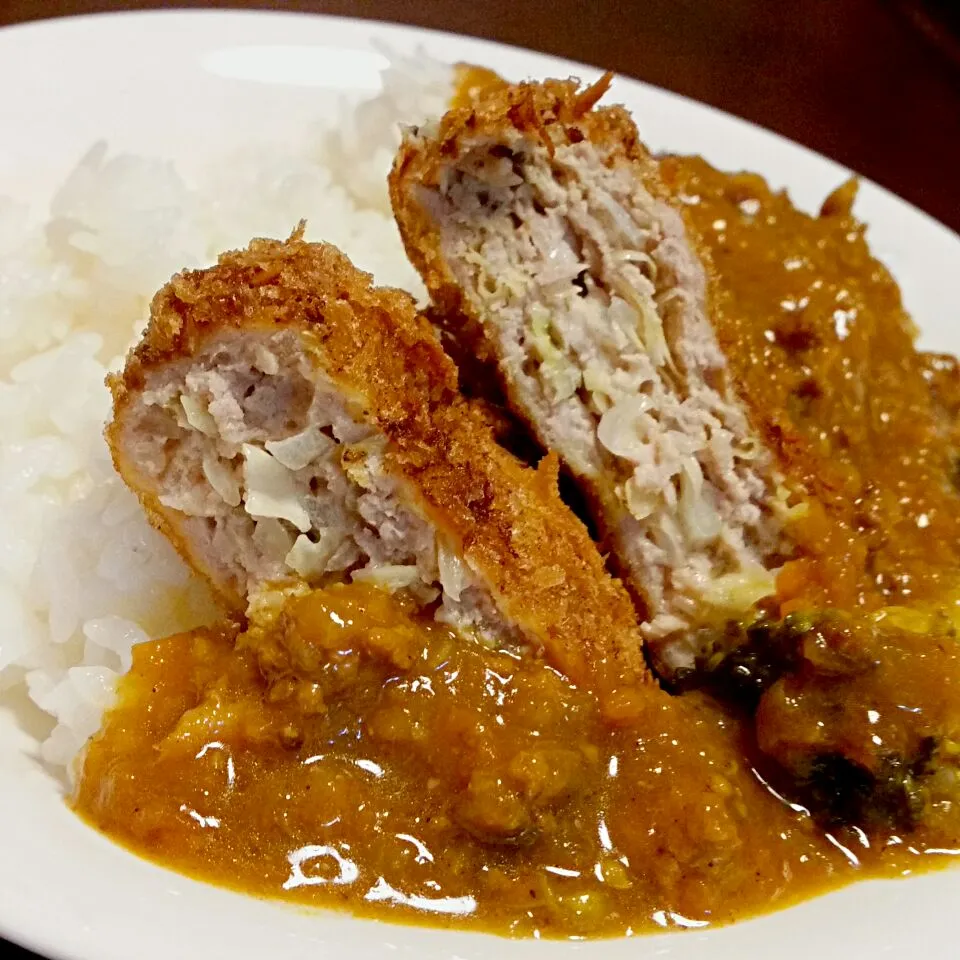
{"points": [[353, 755], [471, 82], [822, 351]]}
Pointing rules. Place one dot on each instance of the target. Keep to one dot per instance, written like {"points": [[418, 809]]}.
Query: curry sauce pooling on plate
{"points": [[349, 753]]}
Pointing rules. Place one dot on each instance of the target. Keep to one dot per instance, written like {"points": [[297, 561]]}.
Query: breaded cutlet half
{"points": [[282, 417], [542, 231]]}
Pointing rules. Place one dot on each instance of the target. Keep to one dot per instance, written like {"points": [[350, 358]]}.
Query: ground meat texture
{"points": [[275, 476], [282, 419], [543, 227]]}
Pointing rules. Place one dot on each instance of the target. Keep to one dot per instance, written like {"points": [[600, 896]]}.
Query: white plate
{"points": [[185, 85]]}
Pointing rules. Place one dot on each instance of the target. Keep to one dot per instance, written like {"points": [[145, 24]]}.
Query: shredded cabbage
{"points": [[310, 559], [621, 431], [271, 538], [198, 416], [301, 449], [738, 592], [265, 360], [390, 577], [650, 322], [599, 383], [221, 479], [270, 490], [641, 501], [562, 375], [454, 576], [781, 507], [700, 520]]}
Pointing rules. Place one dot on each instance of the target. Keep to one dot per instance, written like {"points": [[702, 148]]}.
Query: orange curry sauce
{"points": [[352, 754], [822, 350]]}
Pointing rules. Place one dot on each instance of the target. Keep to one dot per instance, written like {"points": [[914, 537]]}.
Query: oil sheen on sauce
{"points": [[351, 754], [821, 349]]}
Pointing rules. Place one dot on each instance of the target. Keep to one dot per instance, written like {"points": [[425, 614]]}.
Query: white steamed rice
{"points": [[83, 577]]}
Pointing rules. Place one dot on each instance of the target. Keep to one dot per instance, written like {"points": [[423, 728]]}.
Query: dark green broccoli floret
{"points": [[840, 791], [745, 658], [810, 683]]}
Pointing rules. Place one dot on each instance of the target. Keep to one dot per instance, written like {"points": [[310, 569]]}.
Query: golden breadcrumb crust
{"points": [[533, 553]]}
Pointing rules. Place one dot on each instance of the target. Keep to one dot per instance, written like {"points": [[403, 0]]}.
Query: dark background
{"points": [[875, 84]]}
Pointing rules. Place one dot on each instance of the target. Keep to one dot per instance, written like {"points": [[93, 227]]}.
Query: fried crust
{"points": [[507, 519]]}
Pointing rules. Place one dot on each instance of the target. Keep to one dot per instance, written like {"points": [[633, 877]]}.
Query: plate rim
{"points": [[243, 13]]}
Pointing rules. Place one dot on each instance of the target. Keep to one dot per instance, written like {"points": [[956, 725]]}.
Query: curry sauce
{"points": [[350, 753], [822, 351]]}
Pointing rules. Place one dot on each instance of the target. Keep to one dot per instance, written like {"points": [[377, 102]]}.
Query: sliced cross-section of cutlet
{"points": [[283, 418], [541, 225]]}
